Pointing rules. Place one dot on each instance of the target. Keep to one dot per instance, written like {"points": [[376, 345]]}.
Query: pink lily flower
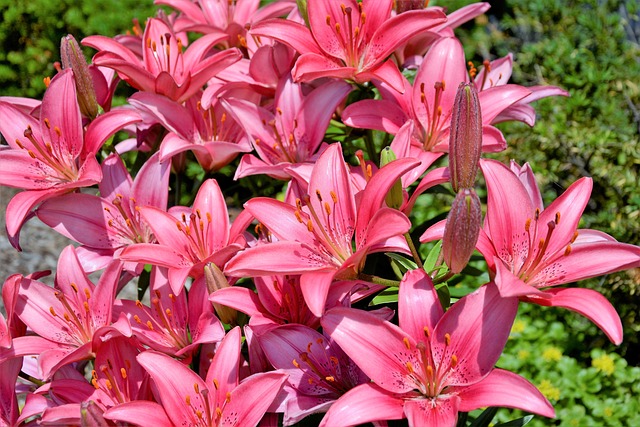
{"points": [[319, 371], [170, 325], [292, 132], [349, 39], [107, 224], [314, 237], [219, 400], [51, 156], [433, 364], [165, 69], [530, 249], [498, 73], [9, 411], [231, 18], [67, 318], [279, 301], [429, 103], [188, 239], [205, 129]]}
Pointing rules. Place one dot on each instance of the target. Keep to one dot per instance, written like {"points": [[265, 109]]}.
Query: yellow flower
{"points": [[518, 327], [523, 354], [607, 412], [549, 390], [552, 354], [604, 363]]}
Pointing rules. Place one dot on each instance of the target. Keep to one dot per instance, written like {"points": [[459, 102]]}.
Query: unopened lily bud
{"points": [[407, 5], [465, 142], [302, 8], [462, 230], [91, 415], [215, 280], [394, 197], [72, 57]]}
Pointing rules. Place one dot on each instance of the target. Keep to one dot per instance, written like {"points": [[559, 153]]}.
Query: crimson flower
{"points": [[349, 39], [434, 364]]}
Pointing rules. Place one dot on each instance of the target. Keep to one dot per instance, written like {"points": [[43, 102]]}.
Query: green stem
{"points": [[443, 278], [371, 147], [414, 252], [31, 379], [378, 280]]}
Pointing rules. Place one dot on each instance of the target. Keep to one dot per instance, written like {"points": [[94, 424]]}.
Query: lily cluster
{"points": [[292, 283]]}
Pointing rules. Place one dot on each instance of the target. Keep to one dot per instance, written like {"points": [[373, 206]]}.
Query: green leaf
{"points": [[485, 417], [405, 263], [432, 258], [387, 296], [517, 422]]}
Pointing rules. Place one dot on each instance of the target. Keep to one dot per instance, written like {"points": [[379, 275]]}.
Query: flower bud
{"points": [[72, 57], [302, 9], [407, 5], [394, 197], [462, 230], [465, 142], [215, 280], [91, 415]]}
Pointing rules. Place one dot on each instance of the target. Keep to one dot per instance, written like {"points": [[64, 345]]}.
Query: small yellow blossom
{"points": [[552, 354], [549, 390], [607, 412], [518, 327], [604, 363], [523, 354]]}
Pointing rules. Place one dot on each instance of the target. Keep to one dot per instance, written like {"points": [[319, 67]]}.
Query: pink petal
{"points": [[381, 115], [590, 304], [438, 412], [355, 407], [494, 100], [315, 288], [60, 108], [139, 412], [238, 298], [251, 399], [509, 284], [210, 202], [382, 342], [106, 125], [225, 367], [291, 33], [418, 304], [386, 72], [478, 326], [505, 389], [311, 66]]}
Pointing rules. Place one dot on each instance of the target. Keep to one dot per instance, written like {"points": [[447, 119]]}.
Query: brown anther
{"points": [[310, 381], [327, 208], [537, 214], [567, 251], [557, 219], [52, 311], [298, 217], [187, 400], [123, 373], [454, 361], [334, 197], [199, 414], [216, 384], [447, 339], [169, 313], [429, 371], [309, 225], [337, 28], [149, 325], [137, 318], [47, 123], [329, 379], [318, 195], [426, 332], [575, 236], [527, 225], [196, 388], [87, 294], [47, 81], [108, 384], [296, 364], [139, 304], [86, 306], [66, 317]]}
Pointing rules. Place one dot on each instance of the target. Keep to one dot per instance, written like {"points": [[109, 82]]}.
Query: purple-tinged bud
{"points": [[462, 230], [465, 142], [394, 197], [407, 5], [91, 415], [302, 9], [215, 280], [72, 57]]}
